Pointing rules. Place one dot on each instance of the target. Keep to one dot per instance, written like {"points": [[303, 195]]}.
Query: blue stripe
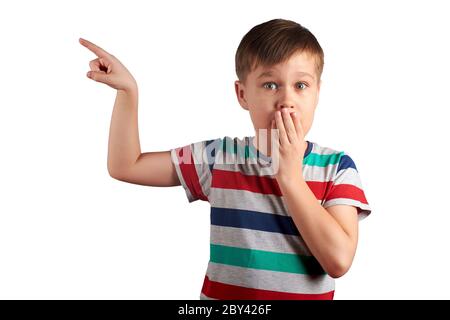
{"points": [[346, 162], [253, 220], [308, 149]]}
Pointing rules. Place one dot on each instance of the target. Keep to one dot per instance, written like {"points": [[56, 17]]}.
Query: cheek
{"points": [[306, 124], [261, 119]]}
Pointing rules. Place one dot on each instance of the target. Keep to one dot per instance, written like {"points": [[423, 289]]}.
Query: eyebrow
{"points": [[270, 73]]}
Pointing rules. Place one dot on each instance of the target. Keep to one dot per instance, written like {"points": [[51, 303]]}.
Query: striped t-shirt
{"points": [[256, 251]]}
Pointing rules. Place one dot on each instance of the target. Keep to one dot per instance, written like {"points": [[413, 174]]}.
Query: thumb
{"points": [[99, 76]]}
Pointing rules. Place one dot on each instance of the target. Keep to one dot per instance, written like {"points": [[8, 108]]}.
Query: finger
{"points": [[95, 65], [101, 64], [98, 76], [298, 126], [94, 48], [281, 130], [289, 125]]}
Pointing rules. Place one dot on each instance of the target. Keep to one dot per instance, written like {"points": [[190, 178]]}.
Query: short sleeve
{"points": [[194, 165], [347, 188]]}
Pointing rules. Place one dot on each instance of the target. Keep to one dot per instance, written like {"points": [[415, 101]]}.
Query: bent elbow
{"points": [[116, 174], [339, 268], [112, 173], [337, 273]]}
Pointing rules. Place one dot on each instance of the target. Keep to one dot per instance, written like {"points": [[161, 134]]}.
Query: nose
{"points": [[289, 106], [285, 106], [285, 100]]}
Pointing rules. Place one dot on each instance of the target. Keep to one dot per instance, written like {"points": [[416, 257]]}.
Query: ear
{"points": [[240, 94]]}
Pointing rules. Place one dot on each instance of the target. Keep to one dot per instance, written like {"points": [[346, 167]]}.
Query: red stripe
{"points": [[266, 185], [222, 291], [260, 184], [236, 180], [318, 188], [189, 173], [349, 191]]}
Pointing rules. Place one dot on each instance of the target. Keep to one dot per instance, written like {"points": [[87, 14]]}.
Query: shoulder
{"points": [[200, 151], [328, 156]]}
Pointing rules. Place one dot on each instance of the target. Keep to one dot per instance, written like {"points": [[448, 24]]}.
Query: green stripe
{"points": [[322, 160], [265, 260], [312, 159], [232, 147]]}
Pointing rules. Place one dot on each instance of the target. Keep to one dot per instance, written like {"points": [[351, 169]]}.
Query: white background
{"points": [[70, 231]]}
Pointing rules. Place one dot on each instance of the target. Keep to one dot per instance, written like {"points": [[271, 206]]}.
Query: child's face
{"points": [[262, 95]]}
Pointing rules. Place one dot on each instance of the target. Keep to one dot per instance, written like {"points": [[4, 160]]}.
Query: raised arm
{"points": [[125, 160]]}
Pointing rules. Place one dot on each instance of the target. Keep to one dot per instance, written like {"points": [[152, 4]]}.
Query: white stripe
{"points": [[258, 240], [348, 176], [317, 148], [366, 210], [248, 200], [270, 280]]}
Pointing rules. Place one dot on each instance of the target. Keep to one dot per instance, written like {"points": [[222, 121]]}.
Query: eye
{"points": [[303, 84], [270, 83], [264, 85]]}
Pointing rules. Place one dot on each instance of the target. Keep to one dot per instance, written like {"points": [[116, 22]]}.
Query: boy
{"points": [[284, 219]]}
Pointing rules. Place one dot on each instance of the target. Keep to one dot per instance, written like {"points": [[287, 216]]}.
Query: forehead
{"points": [[299, 64]]}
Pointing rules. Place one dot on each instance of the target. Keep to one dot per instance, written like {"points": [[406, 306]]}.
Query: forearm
{"points": [[323, 235], [124, 146]]}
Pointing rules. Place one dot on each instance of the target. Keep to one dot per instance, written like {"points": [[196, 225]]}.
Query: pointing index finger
{"points": [[94, 48]]}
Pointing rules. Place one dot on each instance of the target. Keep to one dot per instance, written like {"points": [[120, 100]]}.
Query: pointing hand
{"points": [[108, 69]]}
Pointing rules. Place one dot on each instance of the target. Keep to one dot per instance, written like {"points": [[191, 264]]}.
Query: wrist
{"points": [[290, 180], [130, 91]]}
